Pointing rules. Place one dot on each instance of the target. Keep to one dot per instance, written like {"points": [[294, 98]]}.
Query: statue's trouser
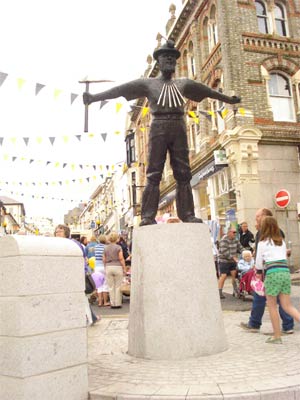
{"points": [[168, 135]]}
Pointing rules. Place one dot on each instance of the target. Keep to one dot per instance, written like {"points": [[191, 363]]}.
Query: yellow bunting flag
{"points": [[211, 113], [66, 139], [241, 111], [20, 83], [118, 107], [39, 139], [224, 113], [143, 129], [145, 111], [56, 164], [117, 132], [91, 135], [13, 140], [57, 92], [73, 166]]}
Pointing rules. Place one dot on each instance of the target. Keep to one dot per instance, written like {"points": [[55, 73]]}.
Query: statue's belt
{"points": [[167, 116]]}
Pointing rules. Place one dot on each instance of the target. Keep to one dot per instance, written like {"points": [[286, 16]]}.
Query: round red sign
{"points": [[282, 198]]}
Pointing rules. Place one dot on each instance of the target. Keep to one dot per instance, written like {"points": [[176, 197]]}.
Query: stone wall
{"points": [[43, 341]]}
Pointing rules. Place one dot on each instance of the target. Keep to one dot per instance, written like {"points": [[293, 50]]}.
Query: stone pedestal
{"points": [[175, 310], [43, 340]]}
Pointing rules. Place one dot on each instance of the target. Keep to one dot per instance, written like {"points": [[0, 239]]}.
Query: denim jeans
{"points": [[258, 309]]}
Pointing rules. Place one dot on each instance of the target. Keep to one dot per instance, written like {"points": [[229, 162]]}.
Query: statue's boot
{"points": [[185, 203], [149, 205]]}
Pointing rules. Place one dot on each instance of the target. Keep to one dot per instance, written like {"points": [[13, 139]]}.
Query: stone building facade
{"points": [[251, 49]]}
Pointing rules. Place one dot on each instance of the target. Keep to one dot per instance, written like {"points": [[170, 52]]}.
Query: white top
{"points": [[267, 251]]}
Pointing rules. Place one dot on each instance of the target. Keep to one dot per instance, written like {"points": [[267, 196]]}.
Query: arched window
{"points": [[212, 29], [280, 20], [262, 17], [191, 61], [281, 100]]}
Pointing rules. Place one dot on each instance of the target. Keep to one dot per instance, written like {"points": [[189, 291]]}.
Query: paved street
{"points": [[249, 369]]}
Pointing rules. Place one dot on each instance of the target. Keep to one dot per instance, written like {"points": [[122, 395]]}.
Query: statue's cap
{"points": [[168, 47]]}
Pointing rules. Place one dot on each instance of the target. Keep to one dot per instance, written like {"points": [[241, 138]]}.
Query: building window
{"points": [[281, 99], [262, 17], [280, 20], [130, 149], [274, 21], [212, 30], [191, 61]]}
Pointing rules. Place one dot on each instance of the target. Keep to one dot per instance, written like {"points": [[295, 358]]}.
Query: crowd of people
{"points": [[265, 257], [107, 259], [238, 253]]}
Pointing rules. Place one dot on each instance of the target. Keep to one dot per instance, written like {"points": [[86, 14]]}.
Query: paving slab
{"points": [[249, 369]]}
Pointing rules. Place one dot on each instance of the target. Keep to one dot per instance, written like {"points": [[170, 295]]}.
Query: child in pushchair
{"points": [[245, 274]]}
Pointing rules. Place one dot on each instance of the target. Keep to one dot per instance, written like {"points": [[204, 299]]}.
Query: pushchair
{"points": [[244, 287]]}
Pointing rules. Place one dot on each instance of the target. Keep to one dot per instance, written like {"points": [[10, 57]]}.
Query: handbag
{"points": [[90, 286], [257, 285], [125, 287]]}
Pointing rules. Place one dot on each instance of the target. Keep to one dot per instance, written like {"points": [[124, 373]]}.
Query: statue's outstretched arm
{"points": [[131, 90], [197, 91]]}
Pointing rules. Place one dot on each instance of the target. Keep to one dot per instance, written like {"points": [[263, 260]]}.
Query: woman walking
{"points": [[272, 257], [115, 269]]}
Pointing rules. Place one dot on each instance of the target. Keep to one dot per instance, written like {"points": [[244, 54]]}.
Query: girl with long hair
{"points": [[272, 258]]}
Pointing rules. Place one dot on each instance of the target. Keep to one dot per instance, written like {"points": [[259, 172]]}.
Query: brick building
{"points": [[240, 155]]}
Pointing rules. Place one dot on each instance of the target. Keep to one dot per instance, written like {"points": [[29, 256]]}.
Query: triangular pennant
{"points": [[208, 116], [78, 137], [13, 140], [145, 111], [73, 97], [1, 141], [66, 139], [88, 179], [14, 158], [102, 103], [104, 135], [224, 112], [3, 76], [81, 166], [31, 161], [118, 107], [48, 162], [20, 83], [52, 139], [39, 140], [26, 140], [241, 111], [64, 164], [57, 92], [117, 132], [94, 166], [38, 88]]}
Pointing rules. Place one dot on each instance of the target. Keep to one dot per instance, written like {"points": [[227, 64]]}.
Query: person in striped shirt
{"points": [[272, 258]]}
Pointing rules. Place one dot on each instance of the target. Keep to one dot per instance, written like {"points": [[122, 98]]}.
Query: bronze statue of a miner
{"points": [[166, 98]]}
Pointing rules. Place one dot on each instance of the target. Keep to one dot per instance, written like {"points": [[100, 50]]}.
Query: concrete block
{"points": [[34, 355], [174, 285], [66, 384], [37, 265], [33, 315]]}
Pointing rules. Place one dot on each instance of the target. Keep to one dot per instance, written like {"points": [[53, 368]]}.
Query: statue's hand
{"points": [[87, 98], [235, 99]]}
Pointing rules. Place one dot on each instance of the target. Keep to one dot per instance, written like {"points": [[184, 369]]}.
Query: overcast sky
{"points": [[56, 43]]}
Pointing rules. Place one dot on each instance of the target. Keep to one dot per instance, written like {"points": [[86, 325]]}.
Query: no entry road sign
{"points": [[282, 198]]}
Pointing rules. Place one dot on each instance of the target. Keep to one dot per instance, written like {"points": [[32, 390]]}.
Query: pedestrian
{"points": [[272, 258], [115, 269], [126, 254], [229, 248], [63, 231], [102, 290], [259, 302], [166, 98], [246, 237], [90, 247]]}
